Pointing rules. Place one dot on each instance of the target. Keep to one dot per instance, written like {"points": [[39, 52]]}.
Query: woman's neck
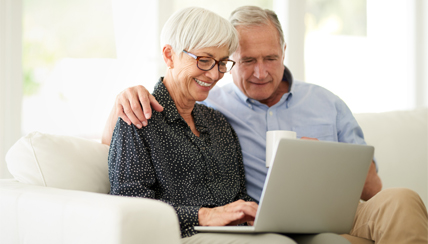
{"points": [[184, 105]]}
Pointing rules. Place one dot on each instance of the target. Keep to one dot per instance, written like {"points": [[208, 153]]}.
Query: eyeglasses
{"points": [[207, 63]]}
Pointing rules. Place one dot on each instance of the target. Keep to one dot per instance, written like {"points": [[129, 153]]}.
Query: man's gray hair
{"points": [[252, 15], [195, 28]]}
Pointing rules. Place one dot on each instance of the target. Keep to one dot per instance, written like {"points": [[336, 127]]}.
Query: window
{"points": [[362, 52], [69, 58], [78, 55]]}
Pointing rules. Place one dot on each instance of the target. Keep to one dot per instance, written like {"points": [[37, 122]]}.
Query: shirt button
{"points": [[270, 113], [211, 174]]}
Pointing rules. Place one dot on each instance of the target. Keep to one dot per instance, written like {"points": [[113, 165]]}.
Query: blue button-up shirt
{"points": [[307, 109]]}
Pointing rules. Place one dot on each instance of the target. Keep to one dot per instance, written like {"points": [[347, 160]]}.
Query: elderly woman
{"points": [[188, 156]]}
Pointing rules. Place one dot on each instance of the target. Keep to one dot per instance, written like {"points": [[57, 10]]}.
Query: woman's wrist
{"points": [[202, 216]]}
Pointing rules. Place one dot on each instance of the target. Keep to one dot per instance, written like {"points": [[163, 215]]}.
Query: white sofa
{"points": [[59, 194], [400, 139]]}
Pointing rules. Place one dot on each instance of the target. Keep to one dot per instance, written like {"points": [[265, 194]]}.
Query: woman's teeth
{"points": [[202, 83]]}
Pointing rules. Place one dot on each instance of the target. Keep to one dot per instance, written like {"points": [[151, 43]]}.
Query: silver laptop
{"points": [[311, 187]]}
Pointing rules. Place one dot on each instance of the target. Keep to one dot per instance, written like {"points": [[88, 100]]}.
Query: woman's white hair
{"points": [[195, 28]]}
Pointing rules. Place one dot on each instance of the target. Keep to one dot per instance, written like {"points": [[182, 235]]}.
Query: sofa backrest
{"points": [[60, 161], [400, 139]]}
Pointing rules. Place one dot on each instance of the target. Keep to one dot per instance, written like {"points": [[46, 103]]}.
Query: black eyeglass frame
{"points": [[217, 62]]}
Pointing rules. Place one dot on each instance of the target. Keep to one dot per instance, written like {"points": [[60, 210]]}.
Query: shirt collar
{"points": [[286, 77], [170, 110]]}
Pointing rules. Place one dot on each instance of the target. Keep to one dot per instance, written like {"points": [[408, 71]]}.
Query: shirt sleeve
{"points": [[239, 158], [188, 217], [130, 171], [348, 129]]}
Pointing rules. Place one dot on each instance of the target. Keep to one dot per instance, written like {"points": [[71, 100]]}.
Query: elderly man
{"points": [[264, 96]]}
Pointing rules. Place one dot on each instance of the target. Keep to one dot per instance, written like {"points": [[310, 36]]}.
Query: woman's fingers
{"points": [[246, 211], [231, 214]]}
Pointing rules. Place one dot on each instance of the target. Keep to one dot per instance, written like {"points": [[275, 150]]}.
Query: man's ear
{"points": [[167, 54], [283, 53]]}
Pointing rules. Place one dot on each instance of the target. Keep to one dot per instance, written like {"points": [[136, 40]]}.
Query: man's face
{"points": [[259, 64]]}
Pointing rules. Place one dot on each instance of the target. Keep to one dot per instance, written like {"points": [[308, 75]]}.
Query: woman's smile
{"points": [[204, 84]]}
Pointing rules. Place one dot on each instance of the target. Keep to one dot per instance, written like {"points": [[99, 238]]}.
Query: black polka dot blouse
{"points": [[166, 161]]}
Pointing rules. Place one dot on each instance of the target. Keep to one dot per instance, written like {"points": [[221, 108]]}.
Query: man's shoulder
{"points": [[209, 112], [306, 88], [220, 97], [301, 85], [226, 89]]}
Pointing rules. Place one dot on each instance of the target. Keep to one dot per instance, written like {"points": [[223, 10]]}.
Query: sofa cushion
{"points": [[60, 161], [400, 139]]}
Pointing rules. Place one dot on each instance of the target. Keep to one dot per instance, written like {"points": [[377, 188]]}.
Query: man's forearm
{"points": [[373, 184]]}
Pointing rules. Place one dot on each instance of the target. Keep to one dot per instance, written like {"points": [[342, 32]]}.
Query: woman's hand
{"points": [[133, 105], [231, 214]]}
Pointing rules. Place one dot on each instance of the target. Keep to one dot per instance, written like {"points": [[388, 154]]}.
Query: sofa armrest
{"points": [[37, 214]]}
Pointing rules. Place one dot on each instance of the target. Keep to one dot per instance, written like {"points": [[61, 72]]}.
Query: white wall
{"points": [[10, 78]]}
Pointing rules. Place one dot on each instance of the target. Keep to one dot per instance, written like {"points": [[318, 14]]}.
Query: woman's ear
{"points": [[167, 54]]}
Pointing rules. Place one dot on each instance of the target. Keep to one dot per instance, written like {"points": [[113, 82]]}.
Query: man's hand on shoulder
{"points": [[133, 105]]}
